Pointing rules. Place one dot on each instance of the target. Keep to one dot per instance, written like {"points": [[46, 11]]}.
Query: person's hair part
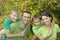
{"points": [[26, 12]]}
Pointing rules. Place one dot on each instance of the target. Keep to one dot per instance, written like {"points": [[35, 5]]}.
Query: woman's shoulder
{"points": [[56, 25]]}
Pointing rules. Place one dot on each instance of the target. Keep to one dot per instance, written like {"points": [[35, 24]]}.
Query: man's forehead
{"points": [[26, 14]]}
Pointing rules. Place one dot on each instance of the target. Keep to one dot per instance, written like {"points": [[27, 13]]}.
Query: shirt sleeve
{"points": [[58, 29], [34, 30], [6, 24]]}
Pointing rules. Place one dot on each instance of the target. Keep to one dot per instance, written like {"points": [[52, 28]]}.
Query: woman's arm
{"points": [[40, 37], [34, 37]]}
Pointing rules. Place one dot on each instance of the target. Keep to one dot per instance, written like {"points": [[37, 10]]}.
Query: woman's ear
{"points": [[50, 18]]}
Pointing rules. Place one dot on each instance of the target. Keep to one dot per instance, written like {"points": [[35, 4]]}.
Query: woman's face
{"points": [[46, 20]]}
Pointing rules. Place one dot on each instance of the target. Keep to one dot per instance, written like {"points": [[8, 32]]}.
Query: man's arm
{"points": [[11, 35], [22, 34]]}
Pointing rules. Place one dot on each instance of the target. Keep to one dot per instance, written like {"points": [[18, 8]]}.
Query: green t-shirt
{"points": [[43, 32], [7, 22], [35, 29], [17, 28]]}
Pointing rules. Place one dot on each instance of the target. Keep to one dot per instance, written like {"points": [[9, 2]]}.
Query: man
{"points": [[22, 27]]}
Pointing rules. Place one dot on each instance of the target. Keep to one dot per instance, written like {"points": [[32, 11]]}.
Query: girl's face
{"points": [[14, 16], [36, 21], [46, 20]]}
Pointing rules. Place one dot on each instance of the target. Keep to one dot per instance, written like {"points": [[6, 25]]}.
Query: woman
{"points": [[49, 30]]}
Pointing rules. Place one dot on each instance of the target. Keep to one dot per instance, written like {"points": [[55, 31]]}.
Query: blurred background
{"points": [[34, 6]]}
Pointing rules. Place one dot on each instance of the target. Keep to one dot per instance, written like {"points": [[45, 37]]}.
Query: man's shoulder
{"points": [[15, 24]]}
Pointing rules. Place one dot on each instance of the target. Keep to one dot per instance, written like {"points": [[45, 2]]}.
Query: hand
{"points": [[22, 34], [43, 39]]}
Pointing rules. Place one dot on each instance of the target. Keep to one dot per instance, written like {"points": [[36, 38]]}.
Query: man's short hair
{"points": [[26, 12]]}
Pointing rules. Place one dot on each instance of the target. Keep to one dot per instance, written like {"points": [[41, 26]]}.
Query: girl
{"points": [[36, 25]]}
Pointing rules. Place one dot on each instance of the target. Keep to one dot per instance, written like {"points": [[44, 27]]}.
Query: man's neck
{"points": [[24, 25]]}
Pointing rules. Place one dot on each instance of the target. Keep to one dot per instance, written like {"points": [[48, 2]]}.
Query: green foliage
{"points": [[34, 6]]}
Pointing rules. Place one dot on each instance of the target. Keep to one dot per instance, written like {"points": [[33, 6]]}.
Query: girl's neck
{"points": [[37, 25]]}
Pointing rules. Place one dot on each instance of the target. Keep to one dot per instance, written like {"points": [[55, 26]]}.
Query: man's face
{"points": [[14, 16], [26, 18]]}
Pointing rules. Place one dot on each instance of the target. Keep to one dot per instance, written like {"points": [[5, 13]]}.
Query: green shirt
{"points": [[35, 29], [43, 32], [7, 22], [17, 28]]}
